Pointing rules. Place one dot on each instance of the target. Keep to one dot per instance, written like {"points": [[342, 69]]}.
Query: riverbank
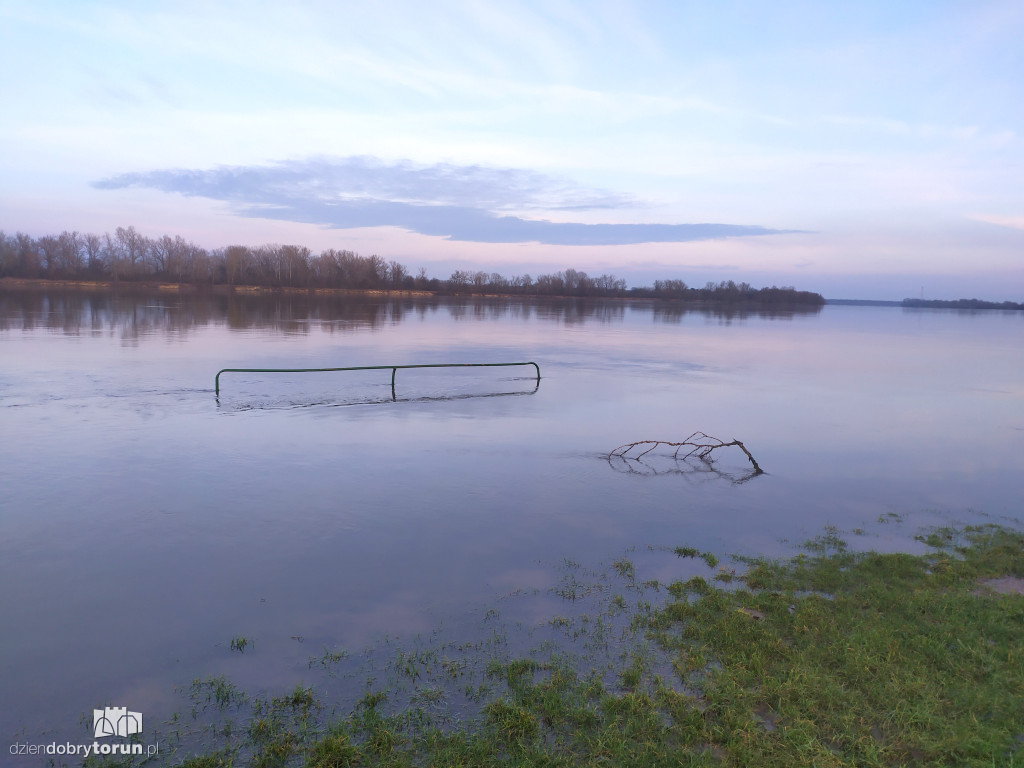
{"points": [[828, 658]]}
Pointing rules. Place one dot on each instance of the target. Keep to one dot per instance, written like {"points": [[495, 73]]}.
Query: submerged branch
{"points": [[699, 444]]}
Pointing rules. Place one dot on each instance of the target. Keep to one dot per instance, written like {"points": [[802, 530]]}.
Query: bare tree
{"points": [[160, 254], [48, 246], [70, 252], [295, 264], [126, 253], [93, 246], [27, 258], [459, 280], [8, 248], [396, 274], [237, 264], [422, 281]]}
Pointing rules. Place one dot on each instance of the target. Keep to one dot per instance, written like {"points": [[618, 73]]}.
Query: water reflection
{"points": [[290, 404], [130, 316], [674, 312], [693, 470]]}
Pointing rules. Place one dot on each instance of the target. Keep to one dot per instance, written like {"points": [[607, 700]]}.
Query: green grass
{"points": [[625, 569], [710, 559], [216, 690], [829, 658], [861, 659]]}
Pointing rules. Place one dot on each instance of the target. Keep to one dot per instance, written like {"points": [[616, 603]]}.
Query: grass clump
{"points": [[209, 761], [334, 751], [218, 691], [709, 558], [625, 569]]}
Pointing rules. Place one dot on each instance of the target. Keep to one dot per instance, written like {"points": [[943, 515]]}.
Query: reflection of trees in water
{"points": [[117, 315], [130, 316], [581, 311], [725, 314], [566, 311], [299, 314]]}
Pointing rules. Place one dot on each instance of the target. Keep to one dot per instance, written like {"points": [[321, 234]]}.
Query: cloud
{"points": [[366, 178], [1013, 222], [459, 202]]}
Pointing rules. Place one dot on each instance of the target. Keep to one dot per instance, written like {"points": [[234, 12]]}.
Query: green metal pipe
{"points": [[394, 370]]}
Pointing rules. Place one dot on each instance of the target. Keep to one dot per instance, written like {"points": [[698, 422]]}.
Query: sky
{"points": [[858, 149]]}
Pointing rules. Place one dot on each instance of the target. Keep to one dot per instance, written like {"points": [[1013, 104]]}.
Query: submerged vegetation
{"points": [[828, 658], [129, 256]]}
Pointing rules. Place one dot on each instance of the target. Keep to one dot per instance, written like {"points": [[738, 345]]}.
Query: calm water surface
{"points": [[144, 523]]}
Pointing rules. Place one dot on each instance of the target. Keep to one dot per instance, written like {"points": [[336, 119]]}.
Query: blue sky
{"points": [[861, 149]]}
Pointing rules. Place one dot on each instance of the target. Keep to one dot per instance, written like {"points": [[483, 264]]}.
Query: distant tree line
{"points": [[961, 304], [568, 283], [127, 256], [729, 292]]}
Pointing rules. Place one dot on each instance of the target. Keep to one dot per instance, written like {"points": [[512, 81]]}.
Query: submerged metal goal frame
{"points": [[394, 370]]}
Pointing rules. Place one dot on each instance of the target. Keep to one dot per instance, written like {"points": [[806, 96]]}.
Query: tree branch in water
{"points": [[698, 445]]}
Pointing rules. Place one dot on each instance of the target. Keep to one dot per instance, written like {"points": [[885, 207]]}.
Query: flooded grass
{"points": [[708, 557], [829, 658]]}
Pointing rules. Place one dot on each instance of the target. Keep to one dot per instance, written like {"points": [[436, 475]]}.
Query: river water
{"points": [[146, 522]]}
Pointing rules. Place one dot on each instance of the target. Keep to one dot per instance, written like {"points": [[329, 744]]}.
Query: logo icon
{"points": [[115, 721]]}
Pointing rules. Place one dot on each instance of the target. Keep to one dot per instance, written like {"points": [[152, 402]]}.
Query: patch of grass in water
{"points": [[330, 660], [217, 690], [865, 659], [625, 569], [709, 558], [827, 658]]}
